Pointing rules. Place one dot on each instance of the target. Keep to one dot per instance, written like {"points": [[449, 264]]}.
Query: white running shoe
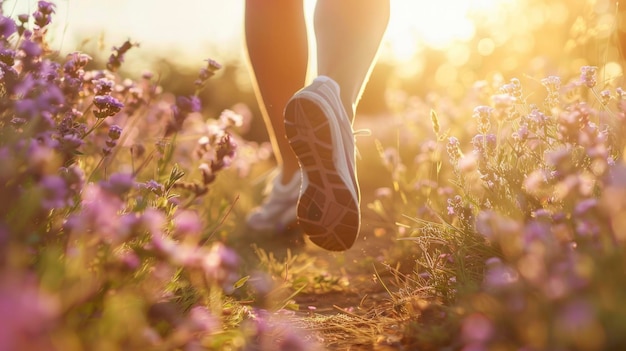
{"points": [[278, 210], [320, 133]]}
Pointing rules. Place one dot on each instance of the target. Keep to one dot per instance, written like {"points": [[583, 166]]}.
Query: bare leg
{"points": [[348, 34], [277, 45]]}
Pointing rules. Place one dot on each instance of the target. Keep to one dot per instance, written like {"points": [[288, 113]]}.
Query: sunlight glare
{"points": [[417, 24], [192, 28]]}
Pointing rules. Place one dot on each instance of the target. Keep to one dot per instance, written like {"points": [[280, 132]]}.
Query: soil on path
{"points": [[358, 312]]}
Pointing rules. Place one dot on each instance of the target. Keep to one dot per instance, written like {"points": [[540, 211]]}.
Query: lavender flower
{"points": [[552, 83], [455, 205], [220, 266], [43, 15], [605, 96], [99, 216], [28, 314], [54, 192], [106, 106], [453, 150], [118, 184], [483, 114], [229, 118], [23, 18], [7, 27], [577, 318], [477, 329], [504, 104], [484, 145], [187, 224], [104, 86], [154, 187], [200, 319], [206, 73], [514, 88], [114, 134], [180, 111], [31, 53], [522, 133], [588, 76], [117, 57]]}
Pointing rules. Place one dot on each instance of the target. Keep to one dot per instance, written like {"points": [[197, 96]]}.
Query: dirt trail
{"points": [[351, 315]]}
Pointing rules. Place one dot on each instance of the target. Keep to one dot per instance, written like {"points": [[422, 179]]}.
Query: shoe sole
{"points": [[327, 211]]}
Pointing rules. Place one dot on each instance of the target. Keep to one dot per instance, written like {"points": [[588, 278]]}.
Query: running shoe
{"points": [[321, 135], [278, 210]]}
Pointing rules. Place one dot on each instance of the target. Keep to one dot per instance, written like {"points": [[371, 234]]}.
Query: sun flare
{"points": [[413, 25], [417, 24]]}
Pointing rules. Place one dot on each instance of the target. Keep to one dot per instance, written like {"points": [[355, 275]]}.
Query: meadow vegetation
{"points": [[500, 203]]}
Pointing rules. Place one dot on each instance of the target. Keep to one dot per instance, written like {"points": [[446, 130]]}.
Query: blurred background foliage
{"points": [[525, 39]]}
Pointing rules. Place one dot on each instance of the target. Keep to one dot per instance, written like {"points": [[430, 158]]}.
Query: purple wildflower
{"points": [[455, 205], [206, 73], [104, 86], [201, 319], [117, 57], [484, 145], [128, 260], [7, 26], [605, 95], [184, 255], [226, 147], [552, 83], [522, 133], [28, 315], [54, 192], [220, 266], [154, 187], [187, 223], [503, 102], [229, 118], [46, 7], [576, 317], [588, 76], [499, 275], [74, 64], [483, 115], [98, 216], [188, 104], [74, 178], [514, 88], [180, 111], [585, 206], [115, 132], [30, 49], [477, 328], [106, 106], [538, 118], [118, 184], [153, 221], [453, 149]]}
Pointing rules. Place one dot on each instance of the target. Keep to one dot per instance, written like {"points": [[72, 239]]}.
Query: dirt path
{"points": [[356, 312]]}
